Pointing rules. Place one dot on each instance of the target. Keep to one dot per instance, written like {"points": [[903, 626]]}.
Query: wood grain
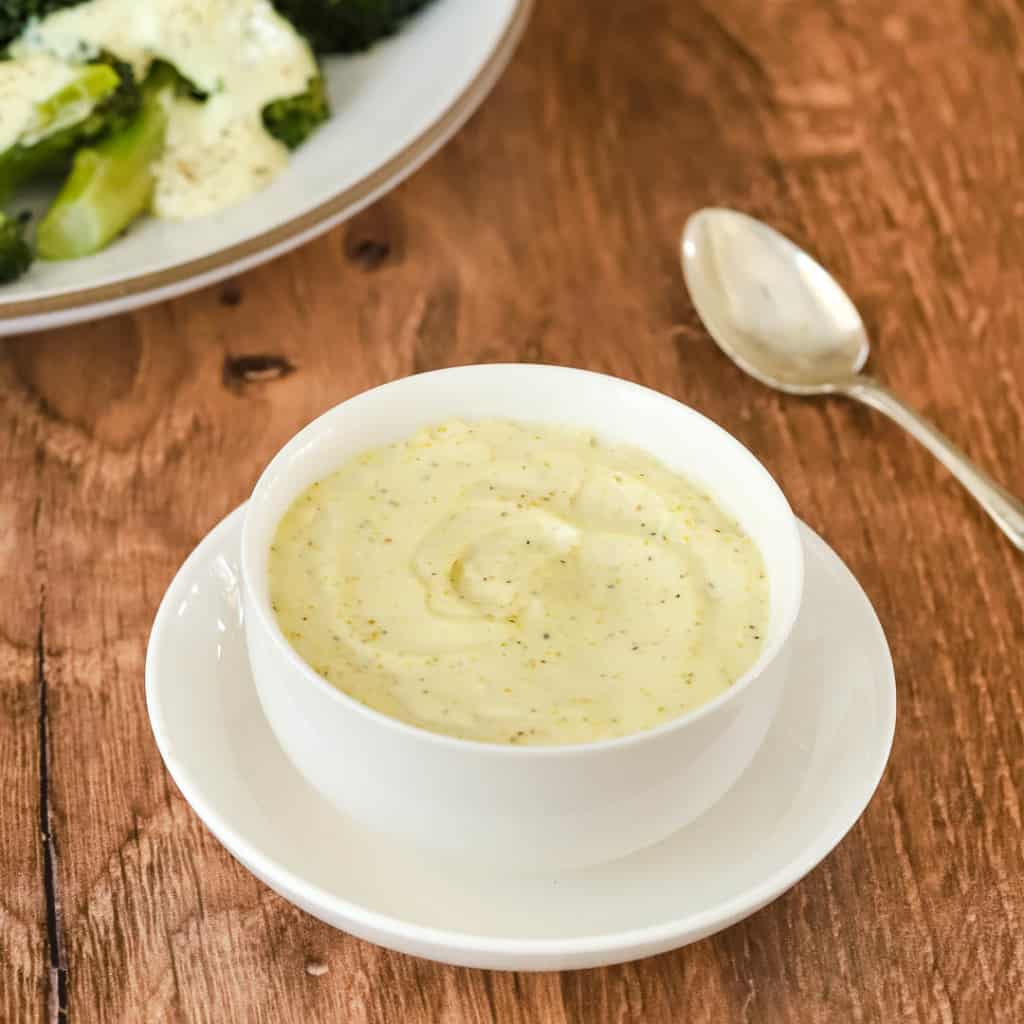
{"points": [[886, 137]]}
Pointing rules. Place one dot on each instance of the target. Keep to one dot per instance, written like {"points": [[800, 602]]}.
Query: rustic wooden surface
{"points": [[887, 137]]}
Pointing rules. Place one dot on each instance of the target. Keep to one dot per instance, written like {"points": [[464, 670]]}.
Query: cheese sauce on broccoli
{"points": [[23, 85], [241, 54]]}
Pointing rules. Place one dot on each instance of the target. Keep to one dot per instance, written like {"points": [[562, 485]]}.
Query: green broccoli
{"points": [[111, 183], [15, 252], [109, 132], [344, 26], [16, 14], [103, 97], [294, 118]]}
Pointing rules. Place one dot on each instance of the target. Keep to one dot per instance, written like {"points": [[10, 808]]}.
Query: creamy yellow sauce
{"points": [[241, 53], [23, 84], [518, 584]]}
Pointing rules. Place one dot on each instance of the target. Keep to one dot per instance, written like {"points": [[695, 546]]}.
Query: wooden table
{"points": [[884, 135]]}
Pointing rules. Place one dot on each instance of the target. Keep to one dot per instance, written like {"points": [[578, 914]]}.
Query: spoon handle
{"points": [[1003, 507]]}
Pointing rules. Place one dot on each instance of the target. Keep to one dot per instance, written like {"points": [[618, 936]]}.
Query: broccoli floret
{"points": [[111, 183], [16, 14], [294, 118], [15, 251], [344, 26], [102, 98]]}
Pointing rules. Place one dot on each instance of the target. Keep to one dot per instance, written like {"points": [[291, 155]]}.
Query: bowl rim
{"points": [[258, 605]]}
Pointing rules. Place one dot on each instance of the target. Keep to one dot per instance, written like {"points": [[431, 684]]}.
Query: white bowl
{"points": [[504, 808]]}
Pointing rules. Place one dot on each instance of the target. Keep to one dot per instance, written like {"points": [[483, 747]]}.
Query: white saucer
{"points": [[807, 786]]}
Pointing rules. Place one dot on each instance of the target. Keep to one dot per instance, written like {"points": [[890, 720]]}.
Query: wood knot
{"points": [[375, 237], [239, 371], [369, 253], [230, 294]]}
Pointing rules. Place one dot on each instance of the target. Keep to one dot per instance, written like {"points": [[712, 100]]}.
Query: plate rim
{"points": [[632, 941], [303, 226]]}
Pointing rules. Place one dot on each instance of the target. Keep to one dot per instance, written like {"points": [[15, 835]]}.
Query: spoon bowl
{"points": [[771, 308], [782, 317]]}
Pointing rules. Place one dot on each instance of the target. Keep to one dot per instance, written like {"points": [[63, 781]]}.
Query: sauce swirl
{"points": [[520, 584]]}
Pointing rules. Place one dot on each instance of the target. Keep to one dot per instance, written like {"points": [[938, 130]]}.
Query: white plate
{"points": [[393, 107], [810, 782]]}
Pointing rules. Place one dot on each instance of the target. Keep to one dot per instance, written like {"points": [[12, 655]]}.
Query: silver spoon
{"points": [[781, 317]]}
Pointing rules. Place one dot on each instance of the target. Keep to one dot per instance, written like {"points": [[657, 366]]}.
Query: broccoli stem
{"points": [[70, 104], [110, 183], [60, 123]]}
